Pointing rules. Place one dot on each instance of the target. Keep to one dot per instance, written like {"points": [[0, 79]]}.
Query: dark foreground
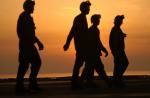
{"points": [[137, 87]]}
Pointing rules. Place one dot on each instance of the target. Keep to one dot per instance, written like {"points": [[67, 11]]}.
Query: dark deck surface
{"points": [[137, 87]]}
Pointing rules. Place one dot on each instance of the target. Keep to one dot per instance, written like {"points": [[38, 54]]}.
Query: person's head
{"points": [[95, 19], [29, 6], [118, 20], [85, 7]]}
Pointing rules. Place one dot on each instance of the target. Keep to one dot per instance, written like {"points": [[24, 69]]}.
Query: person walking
{"points": [[28, 53], [95, 49], [117, 46], [79, 33]]}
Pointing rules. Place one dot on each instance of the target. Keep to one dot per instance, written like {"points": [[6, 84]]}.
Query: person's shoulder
{"points": [[23, 15], [94, 28], [79, 17], [90, 28], [114, 29], [76, 19]]}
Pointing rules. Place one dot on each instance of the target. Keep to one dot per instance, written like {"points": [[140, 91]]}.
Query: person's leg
{"points": [[75, 81], [88, 72], [117, 66], [125, 63], [22, 69], [33, 77], [99, 67], [36, 64], [20, 75], [119, 69], [117, 75]]}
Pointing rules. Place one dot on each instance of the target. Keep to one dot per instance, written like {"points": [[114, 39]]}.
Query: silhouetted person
{"points": [[117, 46], [95, 47], [28, 53], [79, 33]]}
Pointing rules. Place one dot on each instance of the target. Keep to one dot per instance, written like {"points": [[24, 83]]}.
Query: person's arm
{"points": [[69, 38], [21, 28], [102, 47], [114, 39], [40, 45]]}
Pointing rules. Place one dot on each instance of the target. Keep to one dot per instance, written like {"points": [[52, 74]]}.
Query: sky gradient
{"points": [[53, 19]]}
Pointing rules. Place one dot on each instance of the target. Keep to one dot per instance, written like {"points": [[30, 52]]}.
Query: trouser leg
{"points": [[33, 75], [121, 64], [99, 67], [117, 74], [20, 75], [125, 63], [35, 67], [78, 63], [88, 72]]}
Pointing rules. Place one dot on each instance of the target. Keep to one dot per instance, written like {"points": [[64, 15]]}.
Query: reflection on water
{"points": [[52, 75]]}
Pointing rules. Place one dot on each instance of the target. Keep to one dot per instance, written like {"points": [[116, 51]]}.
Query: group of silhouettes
{"points": [[88, 48]]}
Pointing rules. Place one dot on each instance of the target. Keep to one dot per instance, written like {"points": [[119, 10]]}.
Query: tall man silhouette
{"points": [[78, 32], [117, 46], [28, 53]]}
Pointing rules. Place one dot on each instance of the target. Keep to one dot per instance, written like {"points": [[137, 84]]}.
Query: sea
{"points": [[55, 75]]}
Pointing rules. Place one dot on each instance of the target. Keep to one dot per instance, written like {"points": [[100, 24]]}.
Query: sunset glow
{"points": [[54, 18]]}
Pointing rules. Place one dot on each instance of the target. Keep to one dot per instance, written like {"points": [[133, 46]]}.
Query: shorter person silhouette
{"points": [[94, 47], [117, 46], [28, 53]]}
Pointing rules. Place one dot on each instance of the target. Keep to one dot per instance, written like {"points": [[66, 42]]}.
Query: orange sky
{"points": [[54, 19]]}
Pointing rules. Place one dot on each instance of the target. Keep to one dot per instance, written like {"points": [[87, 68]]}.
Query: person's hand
{"points": [[40, 45], [66, 47]]}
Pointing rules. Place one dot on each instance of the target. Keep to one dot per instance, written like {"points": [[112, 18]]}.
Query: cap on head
{"points": [[118, 18], [84, 5], [28, 3], [95, 17]]}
